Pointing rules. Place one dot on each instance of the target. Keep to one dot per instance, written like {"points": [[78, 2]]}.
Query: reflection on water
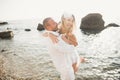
{"points": [[26, 57]]}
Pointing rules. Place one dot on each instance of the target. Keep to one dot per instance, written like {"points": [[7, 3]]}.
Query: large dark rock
{"points": [[2, 23], [6, 34], [40, 27], [92, 21]]}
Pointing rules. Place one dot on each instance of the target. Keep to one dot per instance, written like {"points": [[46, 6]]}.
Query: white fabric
{"points": [[68, 49], [67, 15], [63, 56]]}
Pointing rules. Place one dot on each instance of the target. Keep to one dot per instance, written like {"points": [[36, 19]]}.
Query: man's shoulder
{"points": [[53, 32]]}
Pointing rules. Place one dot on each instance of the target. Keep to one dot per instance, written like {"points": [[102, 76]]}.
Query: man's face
{"points": [[52, 25]]}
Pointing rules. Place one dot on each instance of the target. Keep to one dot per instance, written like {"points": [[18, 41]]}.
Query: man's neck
{"points": [[51, 30], [54, 30]]}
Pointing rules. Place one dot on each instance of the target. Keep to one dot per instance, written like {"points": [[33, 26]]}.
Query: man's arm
{"points": [[51, 36]]}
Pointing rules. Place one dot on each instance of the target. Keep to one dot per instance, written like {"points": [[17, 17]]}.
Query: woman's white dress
{"points": [[63, 56]]}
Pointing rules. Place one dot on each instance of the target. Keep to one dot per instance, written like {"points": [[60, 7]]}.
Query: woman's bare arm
{"points": [[73, 40], [66, 40], [70, 39]]}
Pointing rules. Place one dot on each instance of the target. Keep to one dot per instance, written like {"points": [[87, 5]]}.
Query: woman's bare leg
{"points": [[75, 66]]}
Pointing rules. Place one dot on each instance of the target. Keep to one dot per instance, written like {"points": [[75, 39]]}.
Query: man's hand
{"points": [[51, 36], [45, 34], [54, 38]]}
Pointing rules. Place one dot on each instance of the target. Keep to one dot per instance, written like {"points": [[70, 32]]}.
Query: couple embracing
{"points": [[61, 45]]}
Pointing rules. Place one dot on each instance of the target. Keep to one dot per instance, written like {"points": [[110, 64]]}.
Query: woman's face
{"points": [[68, 22]]}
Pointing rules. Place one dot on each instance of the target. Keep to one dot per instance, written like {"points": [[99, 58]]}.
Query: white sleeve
{"points": [[63, 46], [44, 41]]}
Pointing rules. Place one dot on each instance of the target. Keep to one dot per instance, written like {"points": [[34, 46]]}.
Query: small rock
{"points": [[119, 72], [113, 25], [6, 34], [40, 27], [3, 50], [27, 29], [8, 28], [15, 54], [2, 23], [116, 51]]}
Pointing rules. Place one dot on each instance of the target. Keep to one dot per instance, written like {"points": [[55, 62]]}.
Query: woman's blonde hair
{"points": [[62, 24]]}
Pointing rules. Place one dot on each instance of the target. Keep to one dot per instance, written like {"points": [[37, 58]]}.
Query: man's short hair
{"points": [[45, 21]]}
